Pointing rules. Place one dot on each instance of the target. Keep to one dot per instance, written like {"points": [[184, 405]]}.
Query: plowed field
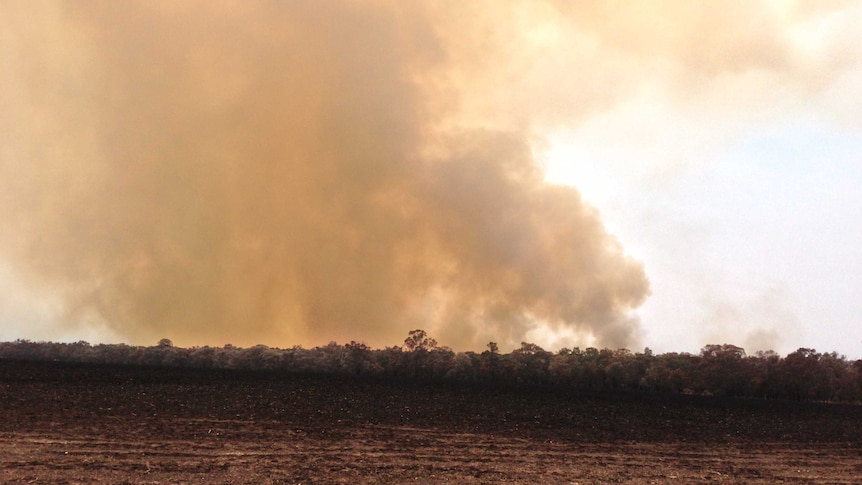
{"points": [[63, 423]]}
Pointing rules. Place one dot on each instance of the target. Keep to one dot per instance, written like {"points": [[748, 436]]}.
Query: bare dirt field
{"points": [[62, 423]]}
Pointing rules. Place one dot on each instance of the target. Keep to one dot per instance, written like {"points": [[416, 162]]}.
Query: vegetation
{"points": [[721, 370]]}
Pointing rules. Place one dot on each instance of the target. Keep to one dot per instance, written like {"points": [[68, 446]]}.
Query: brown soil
{"points": [[62, 423]]}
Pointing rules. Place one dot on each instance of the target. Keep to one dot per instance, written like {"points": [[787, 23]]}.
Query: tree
{"points": [[489, 363], [419, 340], [766, 376], [357, 359], [166, 342], [529, 363], [671, 372], [724, 371]]}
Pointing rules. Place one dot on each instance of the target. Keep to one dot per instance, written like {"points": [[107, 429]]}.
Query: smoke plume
{"points": [[284, 173]]}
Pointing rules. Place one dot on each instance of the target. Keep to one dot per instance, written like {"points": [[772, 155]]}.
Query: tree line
{"points": [[719, 370]]}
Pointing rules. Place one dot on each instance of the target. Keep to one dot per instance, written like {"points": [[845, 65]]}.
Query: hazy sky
{"points": [[663, 174]]}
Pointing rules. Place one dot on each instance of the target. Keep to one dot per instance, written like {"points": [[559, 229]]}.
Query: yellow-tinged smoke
{"points": [[299, 172]]}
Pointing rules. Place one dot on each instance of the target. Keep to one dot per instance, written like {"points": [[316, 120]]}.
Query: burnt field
{"points": [[75, 423]]}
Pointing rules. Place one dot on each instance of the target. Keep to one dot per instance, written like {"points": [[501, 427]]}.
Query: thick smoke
{"points": [[283, 173]]}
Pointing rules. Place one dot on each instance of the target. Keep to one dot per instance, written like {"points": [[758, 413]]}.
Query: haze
{"points": [[299, 172]]}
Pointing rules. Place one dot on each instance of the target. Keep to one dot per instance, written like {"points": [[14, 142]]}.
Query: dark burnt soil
{"points": [[86, 423], [37, 391]]}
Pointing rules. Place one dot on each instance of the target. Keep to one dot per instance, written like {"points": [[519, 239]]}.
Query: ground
{"points": [[88, 424]]}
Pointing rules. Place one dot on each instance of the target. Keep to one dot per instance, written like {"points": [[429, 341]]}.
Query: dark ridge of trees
{"points": [[719, 370]]}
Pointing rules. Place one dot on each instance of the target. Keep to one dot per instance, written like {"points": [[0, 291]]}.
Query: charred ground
{"points": [[88, 422]]}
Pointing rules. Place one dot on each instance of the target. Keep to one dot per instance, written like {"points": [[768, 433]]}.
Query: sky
{"points": [[659, 174]]}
